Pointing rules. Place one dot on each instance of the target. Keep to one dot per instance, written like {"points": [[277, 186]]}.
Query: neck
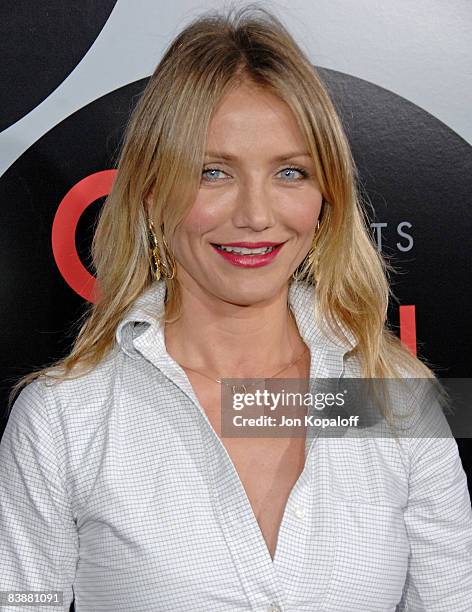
{"points": [[229, 340]]}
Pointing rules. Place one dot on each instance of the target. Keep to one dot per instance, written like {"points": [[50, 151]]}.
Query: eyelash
{"points": [[303, 172]]}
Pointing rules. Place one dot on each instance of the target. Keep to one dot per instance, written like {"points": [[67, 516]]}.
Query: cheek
{"points": [[302, 216], [201, 218]]}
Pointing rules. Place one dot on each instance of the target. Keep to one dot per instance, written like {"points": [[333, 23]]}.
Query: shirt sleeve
{"points": [[438, 519], [38, 534]]}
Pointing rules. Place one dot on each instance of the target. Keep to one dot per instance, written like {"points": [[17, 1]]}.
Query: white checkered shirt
{"points": [[116, 490]]}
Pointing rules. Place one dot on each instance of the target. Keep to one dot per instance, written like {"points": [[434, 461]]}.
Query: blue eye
{"points": [[303, 172], [211, 170]]}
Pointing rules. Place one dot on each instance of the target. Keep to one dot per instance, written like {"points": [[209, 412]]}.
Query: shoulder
{"points": [[409, 409], [69, 419], [76, 398]]}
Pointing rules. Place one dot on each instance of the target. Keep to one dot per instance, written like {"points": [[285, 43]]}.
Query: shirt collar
{"points": [[142, 320], [142, 315]]}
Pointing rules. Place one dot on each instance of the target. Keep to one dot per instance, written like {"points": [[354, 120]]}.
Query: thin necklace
{"points": [[244, 387]]}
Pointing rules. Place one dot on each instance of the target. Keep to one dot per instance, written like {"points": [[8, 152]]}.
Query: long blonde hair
{"points": [[161, 163]]}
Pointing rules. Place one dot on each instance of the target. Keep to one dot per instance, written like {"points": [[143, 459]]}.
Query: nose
{"points": [[254, 207]]}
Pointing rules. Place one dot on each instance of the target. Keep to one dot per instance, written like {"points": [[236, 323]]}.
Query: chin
{"points": [[249, 292]]}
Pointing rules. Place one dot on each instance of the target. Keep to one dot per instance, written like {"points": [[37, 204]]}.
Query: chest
{"points": [[268, 467]]}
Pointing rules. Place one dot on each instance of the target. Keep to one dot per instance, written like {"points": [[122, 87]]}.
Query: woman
{"points": [[232, 245]]}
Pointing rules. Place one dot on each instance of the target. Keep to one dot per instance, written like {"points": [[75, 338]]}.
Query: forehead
{"points": [[249, 116]]}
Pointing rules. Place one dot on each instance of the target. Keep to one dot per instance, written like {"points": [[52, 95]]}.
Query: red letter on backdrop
{"points": [[64, 226], [408, 327]]}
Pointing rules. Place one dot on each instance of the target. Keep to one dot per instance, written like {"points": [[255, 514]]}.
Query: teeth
{"points": [[244, 251]]}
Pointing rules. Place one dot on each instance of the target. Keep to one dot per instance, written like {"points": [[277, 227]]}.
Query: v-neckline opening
{"points": [[248, 506]]}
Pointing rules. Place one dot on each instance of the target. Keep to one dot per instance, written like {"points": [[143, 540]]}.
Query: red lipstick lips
{"points": [[249, 260]]}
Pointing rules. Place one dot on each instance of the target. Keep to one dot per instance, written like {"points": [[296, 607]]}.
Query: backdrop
{"points": [[399, 73]]}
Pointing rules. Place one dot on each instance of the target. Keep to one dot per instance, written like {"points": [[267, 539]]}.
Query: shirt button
{"points": [[299, 512], [274, 608]]}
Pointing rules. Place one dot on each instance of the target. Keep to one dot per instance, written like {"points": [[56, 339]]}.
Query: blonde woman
{"points": [[232, 245]]}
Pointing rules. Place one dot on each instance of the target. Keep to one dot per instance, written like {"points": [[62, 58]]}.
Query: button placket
{"points": [[256, 569]]}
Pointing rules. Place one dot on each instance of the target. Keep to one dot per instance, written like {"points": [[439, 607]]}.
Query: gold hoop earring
{"points": [[159, 267], [310, 255]]}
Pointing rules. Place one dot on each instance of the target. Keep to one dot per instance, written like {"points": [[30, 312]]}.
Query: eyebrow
{"points": [[229, 157]]}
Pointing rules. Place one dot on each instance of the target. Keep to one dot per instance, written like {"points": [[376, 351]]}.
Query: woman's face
{"points": [[250, 194]]}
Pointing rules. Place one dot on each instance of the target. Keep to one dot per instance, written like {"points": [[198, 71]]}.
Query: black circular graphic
{"points": [[41, 43]]}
